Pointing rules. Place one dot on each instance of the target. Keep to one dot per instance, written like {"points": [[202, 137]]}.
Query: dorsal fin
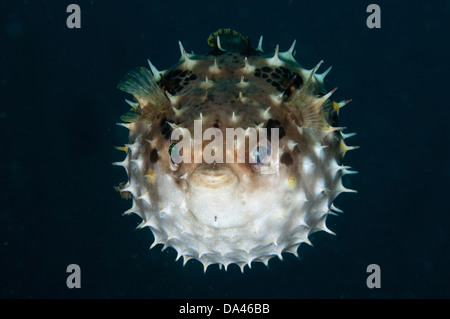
{"points": [[228, 40], [142, 85]]}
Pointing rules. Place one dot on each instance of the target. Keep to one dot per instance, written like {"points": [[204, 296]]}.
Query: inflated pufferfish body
{"points": [[247, 210]]}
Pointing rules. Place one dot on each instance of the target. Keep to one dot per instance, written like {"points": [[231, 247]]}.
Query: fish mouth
{"points": [[213, 177], [214, 197]]}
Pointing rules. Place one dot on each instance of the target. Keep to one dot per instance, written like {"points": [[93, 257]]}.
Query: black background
{"points": [[58, 109]]}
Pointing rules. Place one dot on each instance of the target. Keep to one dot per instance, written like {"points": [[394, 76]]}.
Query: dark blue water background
{"points": [[58, 109]]}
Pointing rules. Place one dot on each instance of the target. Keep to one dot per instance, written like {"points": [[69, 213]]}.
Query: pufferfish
{"points": [[236, 212]]}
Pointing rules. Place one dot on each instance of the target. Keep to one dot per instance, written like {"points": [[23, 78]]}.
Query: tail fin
{"points": [[228, 40]]}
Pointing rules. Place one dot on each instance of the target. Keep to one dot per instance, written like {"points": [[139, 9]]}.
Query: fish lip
{"points": [[213, 177]]}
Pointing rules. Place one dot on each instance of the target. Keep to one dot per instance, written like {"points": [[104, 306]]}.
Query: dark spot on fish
{"points": [[216, 125], [333, 118], [298, 80], [166, 129], [171, 81], [266, 69], [154, 156], [278, 86], [257, 74], [278, 70], [285, 71], [275, 76], [193, 77], [268, 80], [271, 123], [286, 159], [265, 76], [176, 72]]}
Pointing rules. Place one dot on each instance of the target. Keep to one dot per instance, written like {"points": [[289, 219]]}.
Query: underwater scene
{"points": [[224, 150]]}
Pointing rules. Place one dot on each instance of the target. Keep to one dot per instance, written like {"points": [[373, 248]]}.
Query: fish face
{"points": [[235, 156]]}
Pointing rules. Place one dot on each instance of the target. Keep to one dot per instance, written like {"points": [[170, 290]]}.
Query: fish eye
{"points": [[171, 147], [261, 156], [174, 156]]}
